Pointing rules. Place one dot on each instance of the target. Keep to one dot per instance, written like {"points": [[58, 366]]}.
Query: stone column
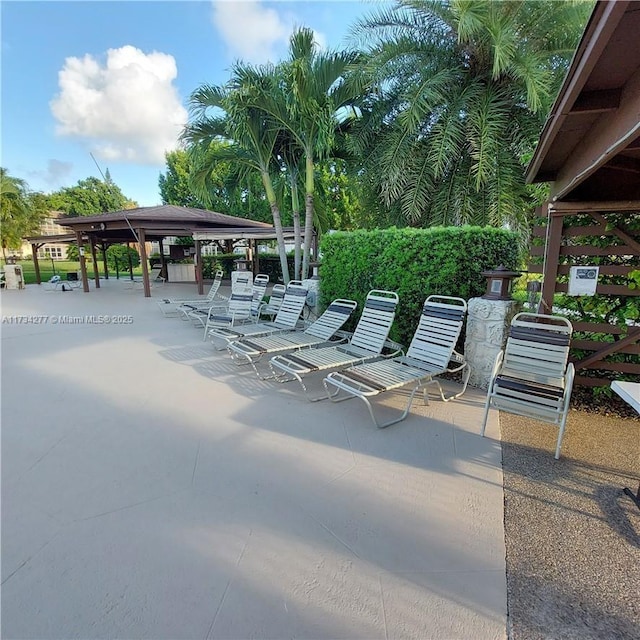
{"points": [[487, 330]]}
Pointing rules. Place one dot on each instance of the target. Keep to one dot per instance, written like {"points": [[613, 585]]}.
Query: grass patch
{"points": [[61, 268]]}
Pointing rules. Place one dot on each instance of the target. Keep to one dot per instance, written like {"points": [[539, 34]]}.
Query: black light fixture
{"points": [[499, 282]]}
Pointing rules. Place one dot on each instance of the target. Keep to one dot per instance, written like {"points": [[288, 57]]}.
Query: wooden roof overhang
{"points": [[589, 149], [154, 223], [157, 223], [59, 238]]}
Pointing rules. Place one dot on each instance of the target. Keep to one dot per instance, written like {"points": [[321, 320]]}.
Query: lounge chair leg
{"points": [[487, 405], [402, 416], [561, 428]]}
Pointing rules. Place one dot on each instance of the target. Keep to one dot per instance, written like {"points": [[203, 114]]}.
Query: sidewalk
{"points": [[153, 489]]}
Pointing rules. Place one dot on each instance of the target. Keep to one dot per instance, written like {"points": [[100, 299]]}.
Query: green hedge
{"points": [[268, 263], [415, 263]]}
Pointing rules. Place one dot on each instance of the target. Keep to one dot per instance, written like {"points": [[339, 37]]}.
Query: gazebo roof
{"points": [[159, 221], [590, 145]]}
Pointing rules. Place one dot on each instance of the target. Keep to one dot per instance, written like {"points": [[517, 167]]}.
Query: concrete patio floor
{"points": [[153, 489]]}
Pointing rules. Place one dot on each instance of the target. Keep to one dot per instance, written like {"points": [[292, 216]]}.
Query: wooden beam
{"points": [[83, 263], [597, 101], [609, 135], [163, 262], [104, 260], [130, 261], [564, 208], [625, 237], [94, 257], [623, 163], [143, 261], [198, 259], [608, 349], [551, 260]]}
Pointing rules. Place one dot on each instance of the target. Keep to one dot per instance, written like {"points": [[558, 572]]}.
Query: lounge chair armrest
{"points": [[392, 349], [457, 362]]}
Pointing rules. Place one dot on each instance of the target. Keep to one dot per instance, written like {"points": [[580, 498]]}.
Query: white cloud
{"points": [[251, 31], [126, 110], [55, 174]]}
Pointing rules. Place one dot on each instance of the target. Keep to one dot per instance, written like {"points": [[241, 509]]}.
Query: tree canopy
{"points": [[462, 88], [21, 210], [90, 197]]}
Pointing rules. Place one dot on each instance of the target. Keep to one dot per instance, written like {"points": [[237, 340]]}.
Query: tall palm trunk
{"points": [[277, 223], [308, 214], [297, 232]]}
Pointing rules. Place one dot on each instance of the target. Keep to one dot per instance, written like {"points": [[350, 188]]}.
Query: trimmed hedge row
{"points": [[415, 263]]}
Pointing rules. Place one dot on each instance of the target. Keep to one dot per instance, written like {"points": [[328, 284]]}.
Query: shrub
{"points": [[415, 263]]}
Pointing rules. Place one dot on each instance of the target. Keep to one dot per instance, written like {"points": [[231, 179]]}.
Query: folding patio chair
{"points": [[171, 306], [259, 288], [286, 319], [251, 350], [431, 353], [369, 340], [531, 376]]}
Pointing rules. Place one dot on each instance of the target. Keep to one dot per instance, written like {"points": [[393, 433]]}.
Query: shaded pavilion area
{"points": [[152, 223]]}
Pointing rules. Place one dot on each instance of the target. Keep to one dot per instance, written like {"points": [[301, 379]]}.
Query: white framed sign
{"points": [[583, 281]]}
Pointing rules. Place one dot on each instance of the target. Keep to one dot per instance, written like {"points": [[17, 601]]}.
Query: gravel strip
{"points": [[572, 536]]}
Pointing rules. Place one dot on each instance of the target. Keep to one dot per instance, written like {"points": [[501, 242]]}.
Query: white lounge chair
{"points": [[275, 301], [251, 350], [369, 340], [286, 319], [431, 353], [155, 274], [531, 376], [171, 306], [258, 290], [236, 311]]}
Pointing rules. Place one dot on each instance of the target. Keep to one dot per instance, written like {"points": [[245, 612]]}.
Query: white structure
{"points": [[487, 329]]}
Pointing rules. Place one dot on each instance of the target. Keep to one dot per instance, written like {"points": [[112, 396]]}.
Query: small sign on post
{"points": [[583, 281]]}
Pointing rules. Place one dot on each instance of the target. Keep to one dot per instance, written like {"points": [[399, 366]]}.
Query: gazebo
{"points": [[589, 152], [155, 223]]}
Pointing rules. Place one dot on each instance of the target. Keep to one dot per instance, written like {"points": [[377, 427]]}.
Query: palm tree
{"points": [[462, 88], [251, 137], [309, 104], [21, 213]]}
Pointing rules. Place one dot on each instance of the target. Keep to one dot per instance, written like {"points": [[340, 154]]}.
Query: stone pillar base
{"points": [[487, 330]]}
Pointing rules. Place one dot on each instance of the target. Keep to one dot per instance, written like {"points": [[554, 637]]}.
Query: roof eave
{"points": [[601, 25]]}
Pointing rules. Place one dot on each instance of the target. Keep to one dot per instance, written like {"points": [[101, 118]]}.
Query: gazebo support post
{"points": [[36, 265], [144, 263], [198, 258], [251, 255], [83, 264], [163, 263], [551, 260], [130, 261], [103, 248], [94, 257]]}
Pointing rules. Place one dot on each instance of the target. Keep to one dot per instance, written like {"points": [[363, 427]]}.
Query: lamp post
{"points": [[499, 283]]}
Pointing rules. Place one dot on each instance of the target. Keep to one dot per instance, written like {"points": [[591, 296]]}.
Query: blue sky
{"points": [[112, 79]]}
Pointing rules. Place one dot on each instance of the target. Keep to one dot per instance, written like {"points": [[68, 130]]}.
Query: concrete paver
{"points": [[153, 489]]}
